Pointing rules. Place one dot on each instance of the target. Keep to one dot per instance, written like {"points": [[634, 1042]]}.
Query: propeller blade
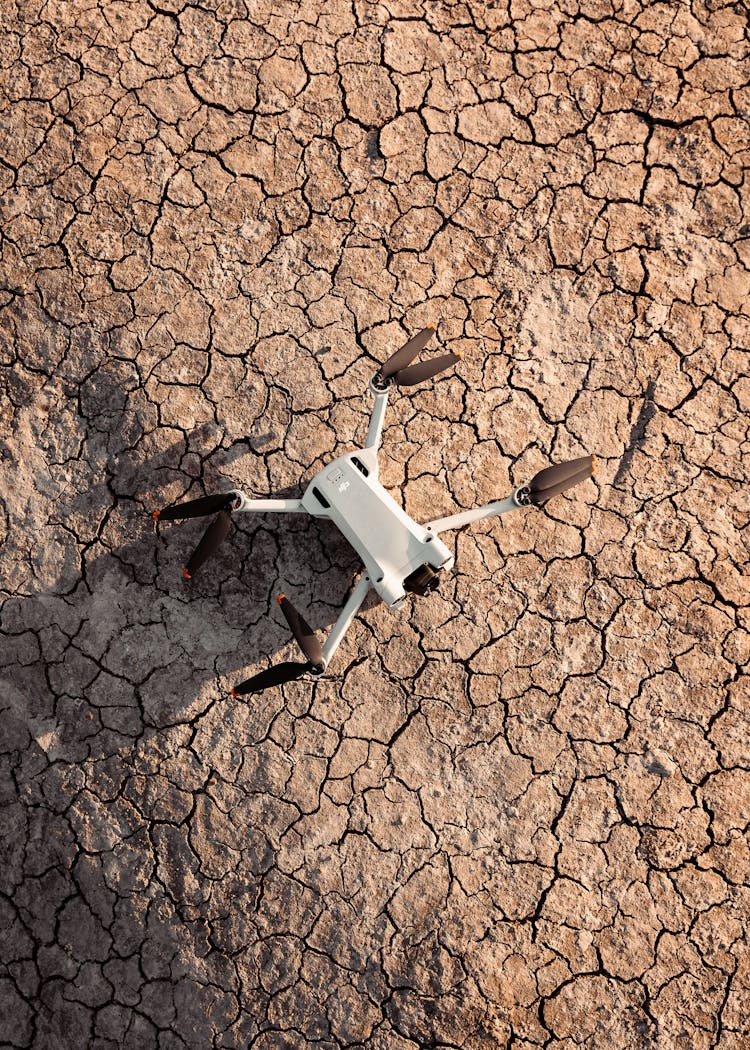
{"points": [[541, 497], [214, 535], [407, 353], [303, 632], [195, 508], [277, 675], [425, 369], [553, 480]]}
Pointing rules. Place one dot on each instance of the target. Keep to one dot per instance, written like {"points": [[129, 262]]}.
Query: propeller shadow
{"points": [[116, 643]]}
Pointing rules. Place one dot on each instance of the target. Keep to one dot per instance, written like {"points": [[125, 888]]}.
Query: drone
{"points": [[400, 556]]}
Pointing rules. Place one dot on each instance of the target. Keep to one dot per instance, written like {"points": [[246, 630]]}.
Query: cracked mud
{"points": [[516, 814]]}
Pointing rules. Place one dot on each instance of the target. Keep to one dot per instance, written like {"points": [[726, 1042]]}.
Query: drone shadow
{"points": [[119, 644]]}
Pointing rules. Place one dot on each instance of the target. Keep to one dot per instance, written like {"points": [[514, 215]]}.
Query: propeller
{"points": [[304, 634], [553, 480], [290, 671], [425, 369], [196, 508], [407, 353], [216, 532], [212, 538]]}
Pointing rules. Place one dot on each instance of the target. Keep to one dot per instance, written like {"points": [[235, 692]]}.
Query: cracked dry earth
{"points": [[514, 815]]}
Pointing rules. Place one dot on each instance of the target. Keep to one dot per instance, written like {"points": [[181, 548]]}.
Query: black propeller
{"points": [[425, 369], [212, 538], [216, 532], [303, 632], [196, 508], [407, 353], [290, 671], [553, 480]]}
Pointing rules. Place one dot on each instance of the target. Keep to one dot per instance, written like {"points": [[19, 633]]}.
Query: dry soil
{"points": [[515, 814]]}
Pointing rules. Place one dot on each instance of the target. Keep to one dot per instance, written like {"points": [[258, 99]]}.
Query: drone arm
{"points": [[346, 616], [264, 506], [377, 417], [491, 510]]}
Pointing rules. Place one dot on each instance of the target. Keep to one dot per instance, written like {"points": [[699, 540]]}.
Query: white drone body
{"points": [[399, 555], [390, 544]]}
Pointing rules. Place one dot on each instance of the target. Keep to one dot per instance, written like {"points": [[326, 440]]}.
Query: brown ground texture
{"points": [[516, 813]]}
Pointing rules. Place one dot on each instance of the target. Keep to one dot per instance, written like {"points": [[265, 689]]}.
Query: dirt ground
{"points": [[516, 813]]}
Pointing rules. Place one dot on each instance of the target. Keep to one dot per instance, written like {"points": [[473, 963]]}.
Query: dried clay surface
{"points": [[514, 814]]}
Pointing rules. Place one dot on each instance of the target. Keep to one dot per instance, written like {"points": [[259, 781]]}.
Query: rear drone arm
{"points": [[262, 506], [223, 505], [398, 369], [375, 430]]}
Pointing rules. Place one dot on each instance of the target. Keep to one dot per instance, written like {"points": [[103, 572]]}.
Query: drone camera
{"points": [[422, 581]]}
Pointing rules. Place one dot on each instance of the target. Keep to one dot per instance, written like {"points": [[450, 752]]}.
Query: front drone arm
{"points": [[346, 616], [491, 510], [543, 486], [317, 656]]}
